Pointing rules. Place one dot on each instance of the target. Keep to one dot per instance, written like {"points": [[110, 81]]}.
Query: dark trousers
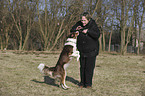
{"points": [[87, 65]]}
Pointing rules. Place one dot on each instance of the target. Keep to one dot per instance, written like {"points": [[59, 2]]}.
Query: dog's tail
{"points": [[41, 67]]}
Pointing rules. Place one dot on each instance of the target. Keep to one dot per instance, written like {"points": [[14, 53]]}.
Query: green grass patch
{"points": [[115, 75]]}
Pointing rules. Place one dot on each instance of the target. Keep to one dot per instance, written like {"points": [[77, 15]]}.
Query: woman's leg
{"points": [[89, 70], [82, 71]]}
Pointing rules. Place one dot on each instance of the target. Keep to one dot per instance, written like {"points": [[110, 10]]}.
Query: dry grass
{"points": [[115, 75]]}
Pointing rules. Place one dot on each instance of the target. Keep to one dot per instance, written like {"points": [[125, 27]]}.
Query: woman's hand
{"points": [[77, 33], [85, 31], [79, 27]]}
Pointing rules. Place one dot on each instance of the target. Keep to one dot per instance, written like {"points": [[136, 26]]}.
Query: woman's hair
{"points": [[86, 14]]}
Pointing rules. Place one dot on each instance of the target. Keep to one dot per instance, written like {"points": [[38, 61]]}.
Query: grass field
{"points": [[114, 75]]}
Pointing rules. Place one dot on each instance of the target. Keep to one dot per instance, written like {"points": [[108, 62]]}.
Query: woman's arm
{"points": [[94, 32], [76, 27]]}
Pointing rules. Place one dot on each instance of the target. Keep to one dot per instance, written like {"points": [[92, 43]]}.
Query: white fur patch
{"points": [[41, 67], [65, 66], [72, 42]]}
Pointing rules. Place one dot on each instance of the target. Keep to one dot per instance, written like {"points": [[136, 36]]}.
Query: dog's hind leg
{"points": [[65, 79], [63, 85]]}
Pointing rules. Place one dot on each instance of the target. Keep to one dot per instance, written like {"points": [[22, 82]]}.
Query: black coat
{"points": [[88, 43]]}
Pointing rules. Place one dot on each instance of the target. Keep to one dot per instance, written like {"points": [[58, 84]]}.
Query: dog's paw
{"points": [[67, 87], [64, 87]]}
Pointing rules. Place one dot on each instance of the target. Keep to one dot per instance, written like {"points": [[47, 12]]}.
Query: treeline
{"points": [[45, 24]]}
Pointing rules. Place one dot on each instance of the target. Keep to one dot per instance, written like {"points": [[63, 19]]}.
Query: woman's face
{"points": [[84, 21]]}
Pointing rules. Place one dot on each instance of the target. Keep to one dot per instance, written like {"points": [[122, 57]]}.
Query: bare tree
{"points": [[47, 23], [21, 15], [140, 23], [29, 20], [6, 25], [55, 22], [110, 37], [123, 22], [98, 10]]}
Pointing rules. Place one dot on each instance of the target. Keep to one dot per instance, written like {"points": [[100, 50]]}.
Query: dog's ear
{"points": [[71, 35]]}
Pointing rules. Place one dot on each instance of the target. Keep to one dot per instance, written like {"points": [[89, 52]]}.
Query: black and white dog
{"points": [[59, 71]]}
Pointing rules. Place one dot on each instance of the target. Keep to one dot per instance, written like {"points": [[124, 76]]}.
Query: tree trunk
{"points": [[140, 27], [1, 43], [27, 37], [103, 40], [100, 42], [110, 37], [124, 19], [122, 27]]}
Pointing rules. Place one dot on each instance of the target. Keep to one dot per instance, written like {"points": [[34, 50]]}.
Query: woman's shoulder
{"points": [[93, 21]]}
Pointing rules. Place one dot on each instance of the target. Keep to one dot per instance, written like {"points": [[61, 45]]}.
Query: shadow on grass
{"points": [[47, 80], [51, 81], [72, 80]]}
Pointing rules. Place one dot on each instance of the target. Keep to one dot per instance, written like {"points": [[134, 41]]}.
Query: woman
{"points": [[88, 46]]}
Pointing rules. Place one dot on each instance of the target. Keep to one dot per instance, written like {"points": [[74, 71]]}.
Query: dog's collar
{"points": [[70, 41]]}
